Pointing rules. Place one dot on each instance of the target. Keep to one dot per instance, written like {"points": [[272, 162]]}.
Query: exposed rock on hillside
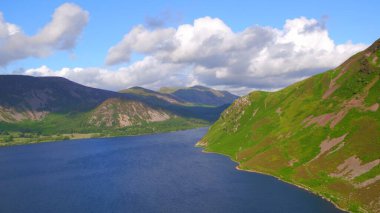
{"points": [[120, 113], [322, 133]]}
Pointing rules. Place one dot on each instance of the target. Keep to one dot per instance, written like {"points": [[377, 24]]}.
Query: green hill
{"points": [[35, 109], [322, 133]]}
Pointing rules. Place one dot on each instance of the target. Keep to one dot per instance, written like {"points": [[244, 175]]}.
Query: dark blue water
{"points": [[156, 173]]}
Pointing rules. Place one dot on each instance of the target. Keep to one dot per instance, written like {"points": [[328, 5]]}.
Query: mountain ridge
{"points": [[54, 106], [204, 96], [195, 95]]}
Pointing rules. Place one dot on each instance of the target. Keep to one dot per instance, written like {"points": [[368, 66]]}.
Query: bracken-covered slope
{"points": [[322, 133]]}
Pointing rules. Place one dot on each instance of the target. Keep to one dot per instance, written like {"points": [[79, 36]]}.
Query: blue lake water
{"points": [[154, 173]]}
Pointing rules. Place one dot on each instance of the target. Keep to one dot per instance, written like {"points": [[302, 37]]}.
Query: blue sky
{"points": [[109, 22]]}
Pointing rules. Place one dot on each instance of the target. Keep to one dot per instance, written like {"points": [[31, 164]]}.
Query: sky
{"points": [[239, 46]]}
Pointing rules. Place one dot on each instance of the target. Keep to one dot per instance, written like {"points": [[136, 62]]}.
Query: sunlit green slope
{"points": [[322, 133]]}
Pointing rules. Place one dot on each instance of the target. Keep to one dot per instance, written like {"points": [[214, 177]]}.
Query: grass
{"points": [[48, 130], [276, 135]]}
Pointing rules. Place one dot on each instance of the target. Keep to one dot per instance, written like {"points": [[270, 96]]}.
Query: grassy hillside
{"points": [[36, 109], [322, 133]]}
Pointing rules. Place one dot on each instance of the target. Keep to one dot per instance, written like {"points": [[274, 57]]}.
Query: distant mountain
{"points": [[322, 133], [54, 105], [200, 95], [169, 89], [146, 92], [27, 97], [204, 96]]}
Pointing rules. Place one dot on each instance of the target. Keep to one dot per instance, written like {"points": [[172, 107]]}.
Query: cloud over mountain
{"points": [[257, 57], [148, 72], [209, 52]]}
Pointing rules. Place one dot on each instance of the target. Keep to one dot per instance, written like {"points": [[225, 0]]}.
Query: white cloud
{"points": [[209, 52], [143, 41], [148, 72], [61, 33], [257, 57]]}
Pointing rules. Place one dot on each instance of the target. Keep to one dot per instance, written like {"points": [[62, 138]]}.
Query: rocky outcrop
{"points": [[121, 113], [353, 167]]}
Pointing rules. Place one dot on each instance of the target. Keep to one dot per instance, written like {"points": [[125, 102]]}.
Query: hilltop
{"points": [[322, 133]]}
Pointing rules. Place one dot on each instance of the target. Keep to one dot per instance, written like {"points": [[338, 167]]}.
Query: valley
{"points": [[37, 109]]}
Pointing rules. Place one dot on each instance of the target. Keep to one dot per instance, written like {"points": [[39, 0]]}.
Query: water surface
{"points": [[154, 173]]}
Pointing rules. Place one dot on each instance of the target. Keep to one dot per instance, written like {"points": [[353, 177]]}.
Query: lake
{"points": [[152, 173]]}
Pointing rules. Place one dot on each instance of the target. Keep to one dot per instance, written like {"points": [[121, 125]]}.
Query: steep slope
{"points": [[32, 98], [322, 133]]}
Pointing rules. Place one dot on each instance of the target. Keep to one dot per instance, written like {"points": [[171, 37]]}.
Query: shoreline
{"points": [[98, 137], [278, 178]]}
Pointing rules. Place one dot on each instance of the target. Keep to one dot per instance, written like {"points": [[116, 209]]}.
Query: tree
{"points": [[8, 138]]}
